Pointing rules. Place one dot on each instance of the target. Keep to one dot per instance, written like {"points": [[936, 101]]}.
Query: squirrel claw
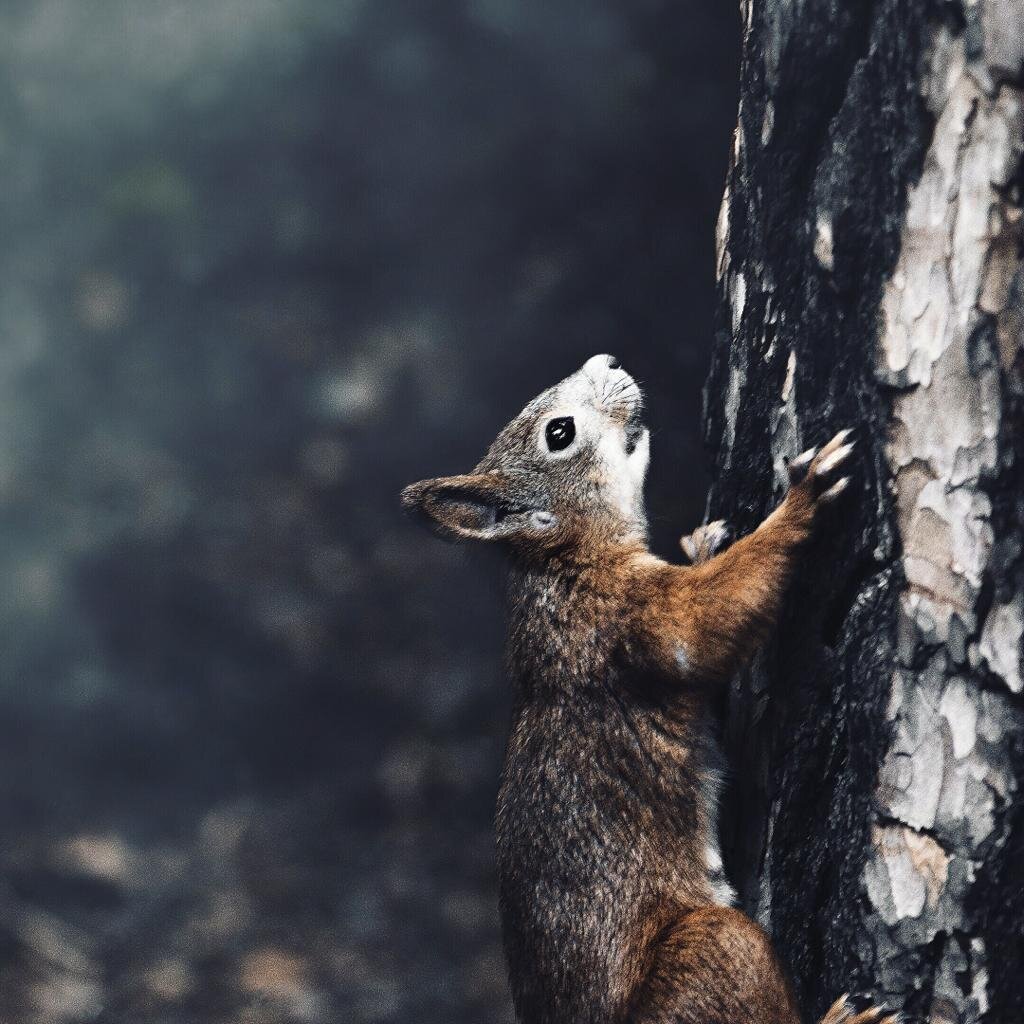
{"points": [[798, 466], [706, 541], [817, 469], [842, 1012], [835, 490]]}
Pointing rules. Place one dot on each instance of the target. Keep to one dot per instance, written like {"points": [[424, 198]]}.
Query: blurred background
{"points": [[263, 263]]}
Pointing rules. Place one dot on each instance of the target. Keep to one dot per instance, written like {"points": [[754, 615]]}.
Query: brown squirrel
{"points": [[613, 902]]}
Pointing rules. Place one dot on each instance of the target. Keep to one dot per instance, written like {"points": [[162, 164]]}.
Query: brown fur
{"points": [[606, 805]]}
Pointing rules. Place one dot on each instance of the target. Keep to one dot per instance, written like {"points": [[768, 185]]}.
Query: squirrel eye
{"points": [[560, 433]]}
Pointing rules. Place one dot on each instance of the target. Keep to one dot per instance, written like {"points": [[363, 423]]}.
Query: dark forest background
{"points": [[263, 263]]}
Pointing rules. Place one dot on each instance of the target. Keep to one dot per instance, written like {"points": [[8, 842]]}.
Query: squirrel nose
{"points": [[598, 366]]}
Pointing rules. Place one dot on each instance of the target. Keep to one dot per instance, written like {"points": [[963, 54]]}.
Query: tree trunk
{"points": [[869, 262]]}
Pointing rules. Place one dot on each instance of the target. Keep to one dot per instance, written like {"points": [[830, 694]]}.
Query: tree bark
{"points": [[869, 264]]}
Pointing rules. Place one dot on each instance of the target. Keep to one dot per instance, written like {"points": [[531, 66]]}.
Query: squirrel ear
{"points": [[477, 506]]}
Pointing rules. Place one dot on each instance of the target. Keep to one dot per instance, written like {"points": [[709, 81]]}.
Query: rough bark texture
{"points": [[869, 260]]}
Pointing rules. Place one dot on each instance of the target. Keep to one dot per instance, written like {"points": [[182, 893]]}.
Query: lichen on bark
{"points": [[948, 773]]}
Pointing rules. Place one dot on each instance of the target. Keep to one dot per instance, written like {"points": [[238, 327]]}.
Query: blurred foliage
{"points": [[263, 264]]}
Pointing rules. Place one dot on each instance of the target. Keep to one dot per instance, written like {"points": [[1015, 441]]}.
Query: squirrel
{"points": [[613, 900]]}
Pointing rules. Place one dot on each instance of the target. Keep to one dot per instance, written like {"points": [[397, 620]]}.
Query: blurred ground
{"points": [[264, 263]]}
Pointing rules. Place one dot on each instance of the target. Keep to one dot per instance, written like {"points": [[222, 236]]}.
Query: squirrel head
{"points": [[567, 470]]}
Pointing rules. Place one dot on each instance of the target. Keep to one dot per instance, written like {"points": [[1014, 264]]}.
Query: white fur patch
{"points": [[584, 397], [625, 473], [722, 892], [682, 659], [711, 783]]}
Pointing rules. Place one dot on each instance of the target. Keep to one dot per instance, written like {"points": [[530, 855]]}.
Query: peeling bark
{"points": [[869, 261]]}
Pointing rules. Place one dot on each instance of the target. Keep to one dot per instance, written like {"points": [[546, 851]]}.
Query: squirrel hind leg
{"points": [[711, 964], [843, 1012]]}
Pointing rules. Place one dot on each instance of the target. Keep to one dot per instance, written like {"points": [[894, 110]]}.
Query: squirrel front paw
{"points": [[816, 472], [706, 541]]}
